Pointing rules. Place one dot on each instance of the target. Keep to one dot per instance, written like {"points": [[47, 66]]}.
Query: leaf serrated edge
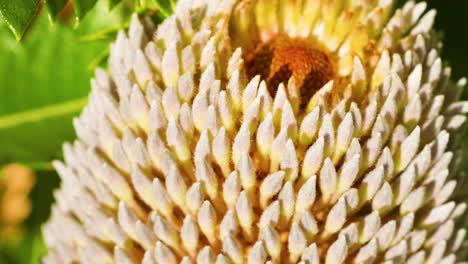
{"points": [[20, 33]]}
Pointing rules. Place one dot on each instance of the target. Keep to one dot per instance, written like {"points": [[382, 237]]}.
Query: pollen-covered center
{"points": [[282, 58]]}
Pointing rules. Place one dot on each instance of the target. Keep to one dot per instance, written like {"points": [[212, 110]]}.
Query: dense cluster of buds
{"points": [[279, 131]]}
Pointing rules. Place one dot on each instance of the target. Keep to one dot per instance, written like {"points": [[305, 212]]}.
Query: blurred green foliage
{"points": [[30, 248], [19, 15]]}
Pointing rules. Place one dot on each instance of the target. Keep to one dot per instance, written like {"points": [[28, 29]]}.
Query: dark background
{"points": [[452, 21]]}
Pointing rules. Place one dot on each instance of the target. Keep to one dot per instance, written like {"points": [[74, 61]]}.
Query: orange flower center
{"points": [[281, 58]]}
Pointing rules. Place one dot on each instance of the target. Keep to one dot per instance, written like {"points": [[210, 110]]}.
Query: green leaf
{"points": [[82, 7], [112, 3], [32, 246], [54, 7], [19, 14], [44, 82], [451, 21], [41, 114], [47, 70], [163, 7]]}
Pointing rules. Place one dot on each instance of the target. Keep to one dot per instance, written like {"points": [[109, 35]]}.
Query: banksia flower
{"points": [[308, 131]]}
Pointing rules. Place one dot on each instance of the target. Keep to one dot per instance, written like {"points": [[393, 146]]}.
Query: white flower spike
{"points": [[267, 131]]}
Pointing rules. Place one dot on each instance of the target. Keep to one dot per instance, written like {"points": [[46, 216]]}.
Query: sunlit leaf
{"points": [[44, 82], [19, 14], [112, 3]]}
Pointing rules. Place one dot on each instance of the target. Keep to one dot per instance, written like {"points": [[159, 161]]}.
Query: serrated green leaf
{"points": [[19, 14], [54, 7], [82, 7]]}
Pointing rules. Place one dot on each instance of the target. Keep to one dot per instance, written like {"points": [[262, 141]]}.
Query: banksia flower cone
{"points": [[276, 131]]}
